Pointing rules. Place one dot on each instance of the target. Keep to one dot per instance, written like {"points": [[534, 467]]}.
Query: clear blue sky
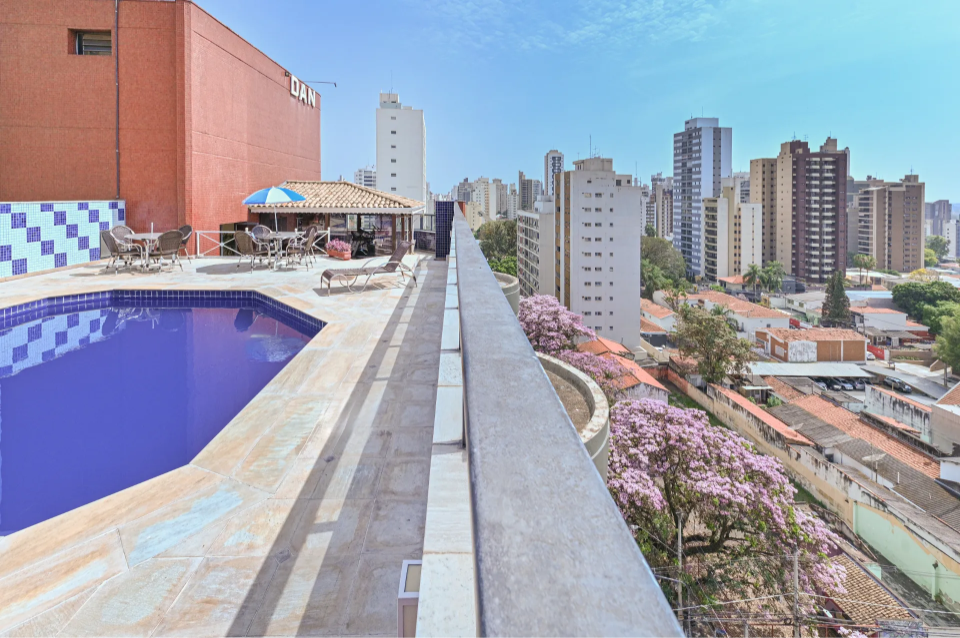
{"points": [[501, 82]]}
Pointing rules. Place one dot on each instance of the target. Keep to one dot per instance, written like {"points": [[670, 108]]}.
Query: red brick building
{"points": [[199, 116]]}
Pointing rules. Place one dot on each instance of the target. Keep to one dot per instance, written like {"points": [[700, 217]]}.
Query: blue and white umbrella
{"points": [[274, 195]]}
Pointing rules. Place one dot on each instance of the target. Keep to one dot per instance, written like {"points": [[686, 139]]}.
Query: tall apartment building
{"points": [[892, 224], [701, 158], [501, 195], [401, 149], [486, 195], [763, 191], [854, 186], [513, 202], [366, 176], [535, 248], [660, 205], [951, 230], [530, 190], [940, 212], [733, 231], [552, 164], [598, 229], [462, 191], [743, 187], [811, 222]]}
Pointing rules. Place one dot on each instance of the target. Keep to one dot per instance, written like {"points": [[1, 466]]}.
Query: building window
{"points": [[393, 132], [393, 161], [393, 146], [94, 43], [393, 174], [393, 117], [393, 188]]}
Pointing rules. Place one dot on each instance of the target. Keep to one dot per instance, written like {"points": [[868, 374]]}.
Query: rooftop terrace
{"points": [[393, 435]]}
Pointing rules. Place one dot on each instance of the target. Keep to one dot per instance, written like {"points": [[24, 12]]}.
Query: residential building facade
{"points": [[939, 212], [733, 232], [530, 190], [598, 230], [701, 158], [552, 164], [366, 176], [535, 248], [401, 149], [660, 205], [763, 191], [891, 224], [811, 224], [813, 344]]}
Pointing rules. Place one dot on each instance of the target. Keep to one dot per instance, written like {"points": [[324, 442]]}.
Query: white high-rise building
{"points": [[535, 248], [951, 230], [733, 232], [401, 149], [599, 226], [701, 158], [743, 188], [366, 176], [552, 164]]}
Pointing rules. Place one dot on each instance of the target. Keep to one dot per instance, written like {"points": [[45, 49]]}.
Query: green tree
{"points": [[932, 315], [947, 347], [912, 296], [864, 262], [652, 279], [939, 245], [717, 288], [929, 258], [772, 276], [664, 256], [498, 239], [753, 277], [506, 265], [836, 304], [709, 339], [650, 231]]}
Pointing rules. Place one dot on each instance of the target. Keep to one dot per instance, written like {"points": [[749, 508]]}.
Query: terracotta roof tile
{"points": [[341, 195], [814, 334], [851, 424], [738, 306], [789, 393], [635, 374], [952, 397], [648, 326], [658, 311], [866, 600], [603, 346], [732, 280], [788, 432]]}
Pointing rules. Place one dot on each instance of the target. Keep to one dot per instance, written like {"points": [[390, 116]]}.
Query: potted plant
{"points": [[338, 249]]}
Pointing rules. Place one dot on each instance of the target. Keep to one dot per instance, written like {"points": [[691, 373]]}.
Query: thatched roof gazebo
{"points": [[345, 209]]}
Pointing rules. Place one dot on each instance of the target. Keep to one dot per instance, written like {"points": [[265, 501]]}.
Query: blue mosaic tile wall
{"points": [[444, 227], [38, 236]]}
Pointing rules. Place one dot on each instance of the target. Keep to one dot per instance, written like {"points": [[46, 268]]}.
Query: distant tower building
{"points": [[462, 191], [892, 224], [502, 204], [365, 177], [743, 188], [733, 232], [401, 149], [661, 201], [552, 164], [530, 190], [701, 158], [763, 191], [939, 211], [598, 228], [535, 248]]}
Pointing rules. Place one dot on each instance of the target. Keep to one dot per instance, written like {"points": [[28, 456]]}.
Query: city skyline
{"points": [[631, 89]]}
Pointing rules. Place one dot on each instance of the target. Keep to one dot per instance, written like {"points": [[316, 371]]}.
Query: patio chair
{"points": [[122, 235], [349, 276], [261, 238], [302, 248], [247, 247], [187, 231], [126, 253], [168, 245]]}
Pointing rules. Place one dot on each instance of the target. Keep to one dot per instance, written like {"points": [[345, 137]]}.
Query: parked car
{"points": [[905, 388], [821, 384], [891, 382], [871, 356], [846, 385], [835, 386], [859, 385]]}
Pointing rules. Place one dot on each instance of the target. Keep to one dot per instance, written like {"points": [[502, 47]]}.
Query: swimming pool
{"points": [[104, 391]]}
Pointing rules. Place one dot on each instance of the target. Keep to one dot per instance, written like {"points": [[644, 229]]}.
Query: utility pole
{"points": [[680, 613], [796, 594]]}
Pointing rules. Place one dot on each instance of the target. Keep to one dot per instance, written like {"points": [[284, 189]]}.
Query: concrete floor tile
{"points": [[404, 478], [221, 599], [332, 528], [412, 442], [396, 527], [373, 602], [133, 603], [349, 477], [264, 529]]}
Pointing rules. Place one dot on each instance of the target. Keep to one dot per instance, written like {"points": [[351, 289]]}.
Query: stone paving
{"points": [[294, 520]]}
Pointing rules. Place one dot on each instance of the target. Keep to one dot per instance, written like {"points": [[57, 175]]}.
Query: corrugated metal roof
{"points": [[817, 369]]}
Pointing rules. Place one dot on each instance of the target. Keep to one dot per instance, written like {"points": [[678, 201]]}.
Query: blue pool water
{"points": [[102, 398]]}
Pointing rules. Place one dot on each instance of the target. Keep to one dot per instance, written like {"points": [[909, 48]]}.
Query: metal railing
{"points": [[223, 241]]}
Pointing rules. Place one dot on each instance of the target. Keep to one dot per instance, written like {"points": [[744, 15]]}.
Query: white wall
{"points": [[401, 155]]}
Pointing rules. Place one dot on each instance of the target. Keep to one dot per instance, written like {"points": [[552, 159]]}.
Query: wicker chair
{"points": [[261, 238], [168, 245], [302, 247], [122, 235], [187, 231], [247, 247], [126, 253], [349, 276]]}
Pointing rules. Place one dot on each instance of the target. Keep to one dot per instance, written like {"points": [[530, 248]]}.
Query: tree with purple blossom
{"points": [[549, 326], [735, 506], [606, 372]]}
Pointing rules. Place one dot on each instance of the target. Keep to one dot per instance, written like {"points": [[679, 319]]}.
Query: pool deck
{"points": [[294, 520]]}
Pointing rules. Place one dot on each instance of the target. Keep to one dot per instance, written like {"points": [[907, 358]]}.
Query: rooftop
{"points": [[788, 392], [814, 334], [603, 346], [738, 306], [866, 600], [867, 310], [661, 312], [648, 326], [952, 397], [635, 374], [738, 279], [790, 434], [340, 197]]}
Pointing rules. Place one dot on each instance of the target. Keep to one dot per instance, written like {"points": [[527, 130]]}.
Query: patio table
{"points": [[148, 240], [279, 237]]}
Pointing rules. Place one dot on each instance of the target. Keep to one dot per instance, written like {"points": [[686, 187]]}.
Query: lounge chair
{"points": [[187, 231], [248, 247], [126, 253], [349, 276], [168, 245]]}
